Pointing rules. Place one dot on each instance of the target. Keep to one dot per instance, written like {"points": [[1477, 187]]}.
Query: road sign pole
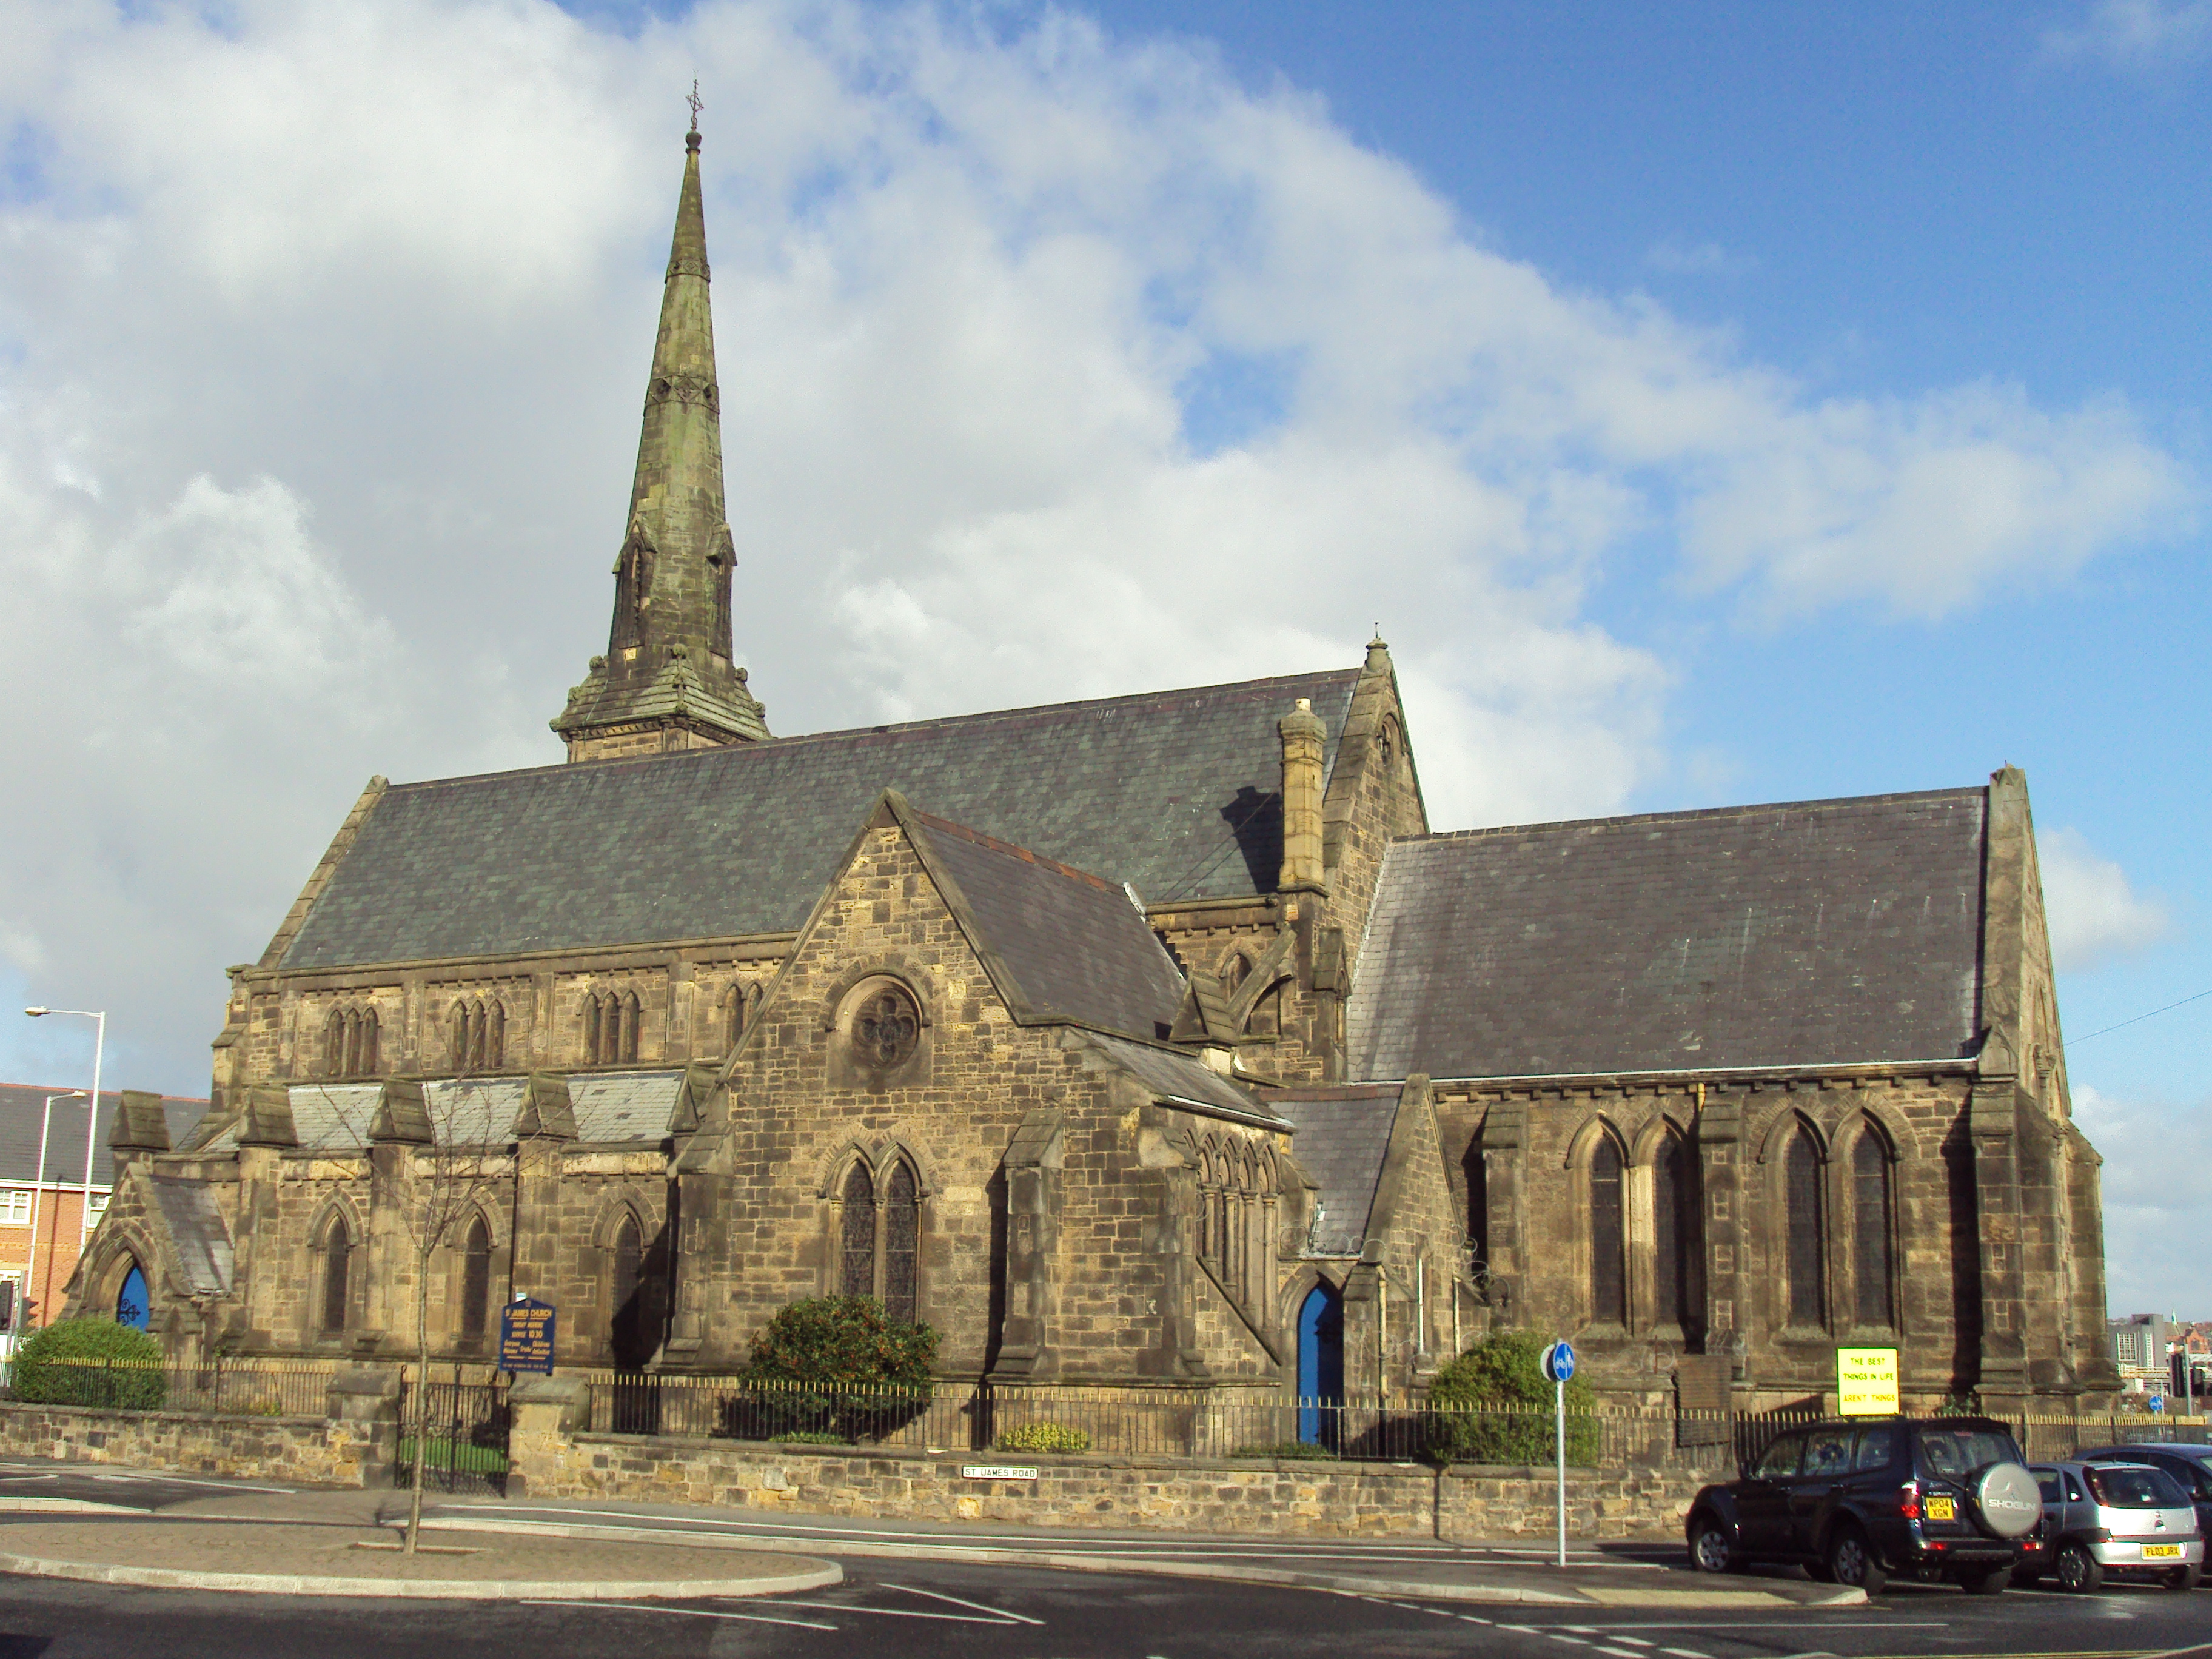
{"points": [[1560, 1435]]}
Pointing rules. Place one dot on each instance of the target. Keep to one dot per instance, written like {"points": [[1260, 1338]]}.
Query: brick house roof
{"points": [[1177, 792], [22, 1104], [1806, 933]]}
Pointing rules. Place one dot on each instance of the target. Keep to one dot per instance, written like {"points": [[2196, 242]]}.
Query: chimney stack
{"points": [[1303, 735]]}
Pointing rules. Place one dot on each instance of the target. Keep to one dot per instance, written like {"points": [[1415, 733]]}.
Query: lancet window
{"points": [[349, 1042], [476, 1034]]}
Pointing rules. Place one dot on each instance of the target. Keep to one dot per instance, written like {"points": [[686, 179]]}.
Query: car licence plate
{"points": [[1942, 1509], [2160, 1552]]}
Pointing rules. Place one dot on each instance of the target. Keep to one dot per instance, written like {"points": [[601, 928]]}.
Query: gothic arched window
{"points": [[338, 1263], [1608, 1277], [1234, 973], [901, 1241], [476, 1281], [334, 1044], [1807, 1232], [1870, 1224], [365, 1057], [1676, 1282], [630, 1012], [856, 1240], [628, 1325]]}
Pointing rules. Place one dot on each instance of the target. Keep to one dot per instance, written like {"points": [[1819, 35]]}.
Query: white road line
{"points": [[903, 1613], [1619, 1653], [1684, 1653], [156, 1479], [685, 1612], [1470, 1619], [980, 1607], [1631, 1641]]}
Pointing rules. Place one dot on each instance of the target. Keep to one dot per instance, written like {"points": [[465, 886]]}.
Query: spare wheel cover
{"points": [[2008, 1500]]}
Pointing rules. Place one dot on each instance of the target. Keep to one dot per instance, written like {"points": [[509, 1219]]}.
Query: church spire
{"points": [[667, 682]]}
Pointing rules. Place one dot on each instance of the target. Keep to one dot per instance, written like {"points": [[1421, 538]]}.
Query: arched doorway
{"points": [[1321, 1364], [132, 1306]]}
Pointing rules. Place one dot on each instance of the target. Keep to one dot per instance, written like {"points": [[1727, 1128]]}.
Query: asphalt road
{"points": [[927, 1609], [900, 1607]]}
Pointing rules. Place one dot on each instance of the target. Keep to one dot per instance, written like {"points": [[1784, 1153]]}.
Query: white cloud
{"points": [[2136, 34], [2155, 1208], [1050, 367], [1680, 258], [2094, 914]]}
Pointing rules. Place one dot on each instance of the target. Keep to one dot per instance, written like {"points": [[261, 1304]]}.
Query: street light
{"points": [[31, 1273], [92, 1109]]}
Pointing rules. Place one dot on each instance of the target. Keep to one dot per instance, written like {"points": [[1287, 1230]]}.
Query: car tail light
{"points": [[1908, 1500]]}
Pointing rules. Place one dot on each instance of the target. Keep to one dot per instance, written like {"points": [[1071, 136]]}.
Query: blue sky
{"points": [[1712, 403]]}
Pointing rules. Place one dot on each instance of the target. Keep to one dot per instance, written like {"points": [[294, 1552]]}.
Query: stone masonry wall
{"points": [[1259, 1497], [312, 1451]]}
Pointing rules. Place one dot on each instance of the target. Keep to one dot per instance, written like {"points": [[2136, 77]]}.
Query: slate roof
{"points": [[1073, 945], [610, 1107], [613, 1107], [1177, 792], [1808, 933], [1178, 1078], [197, 1232], [22, 1104], [1343, 1136]]}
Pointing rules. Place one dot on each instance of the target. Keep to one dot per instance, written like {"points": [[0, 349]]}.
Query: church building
{"points": [[1157, 1039]]}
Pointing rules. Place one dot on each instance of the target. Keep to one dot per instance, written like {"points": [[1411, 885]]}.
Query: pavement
{"points": [[151, 1529]]}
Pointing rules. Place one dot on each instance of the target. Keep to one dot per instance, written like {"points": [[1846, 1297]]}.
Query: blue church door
{"points": [[130, 1302], [1321, 1364]]}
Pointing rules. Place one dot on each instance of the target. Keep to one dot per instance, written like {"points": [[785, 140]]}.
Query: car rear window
{"points": [[1877, 1447], [1957, 1453], [2119, 1487]]}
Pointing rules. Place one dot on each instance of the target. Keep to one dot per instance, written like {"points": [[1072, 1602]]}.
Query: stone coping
{"points": [[1043, 1461]]}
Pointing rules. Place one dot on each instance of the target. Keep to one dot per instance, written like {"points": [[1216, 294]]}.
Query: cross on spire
{"points": [[695, 107]]}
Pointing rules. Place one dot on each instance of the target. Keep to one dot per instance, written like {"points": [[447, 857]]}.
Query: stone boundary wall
{"points": [[1252, 1496], [309, 1451]]}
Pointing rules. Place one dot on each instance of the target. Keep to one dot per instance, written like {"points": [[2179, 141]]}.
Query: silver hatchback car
{"points": [[2128, 1519]]}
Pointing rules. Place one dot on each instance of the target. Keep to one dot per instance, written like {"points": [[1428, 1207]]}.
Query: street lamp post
{"points": [[37, 1192], [92, 1108]]}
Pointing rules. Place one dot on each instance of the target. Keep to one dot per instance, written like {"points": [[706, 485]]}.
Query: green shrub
{"points": [[90, 1362], [1044, 1438], [1494, 1405], [836, 1367], [836, 1343], [810, 1438], [1303, 1449]]}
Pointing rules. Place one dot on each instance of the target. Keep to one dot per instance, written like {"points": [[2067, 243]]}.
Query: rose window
{"points": [[887, 1027]]}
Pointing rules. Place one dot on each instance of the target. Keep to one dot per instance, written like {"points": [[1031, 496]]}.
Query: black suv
{"points": [[1855, 1502]]}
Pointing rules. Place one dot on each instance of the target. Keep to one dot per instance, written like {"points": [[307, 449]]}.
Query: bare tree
{"points": [[449, 1150], [436, 1149]]}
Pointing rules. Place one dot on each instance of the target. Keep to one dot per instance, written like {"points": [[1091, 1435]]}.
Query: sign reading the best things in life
{"points": [[1866, 1382], [525, 1336]]}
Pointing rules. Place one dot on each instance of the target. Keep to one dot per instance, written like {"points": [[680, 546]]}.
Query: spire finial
{"points": [[691, 138]]}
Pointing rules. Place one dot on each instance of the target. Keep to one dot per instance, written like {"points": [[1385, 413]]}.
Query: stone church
{"points": [[1151, 1040]]}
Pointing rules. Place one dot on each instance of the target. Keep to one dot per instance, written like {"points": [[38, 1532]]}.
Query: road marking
{"points": [[905, 1613], [939, 1596], [151, 1478], [1684, 1653], [687, 1612]]}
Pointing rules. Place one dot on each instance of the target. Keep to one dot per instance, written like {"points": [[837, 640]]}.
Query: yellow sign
{"points": [[1866, 1382]]}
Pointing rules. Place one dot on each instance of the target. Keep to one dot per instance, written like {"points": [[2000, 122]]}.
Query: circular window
{"points": [[886, 1026]]}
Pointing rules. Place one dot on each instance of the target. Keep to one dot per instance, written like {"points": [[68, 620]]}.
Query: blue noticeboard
{"points": [[525, 1335], [1558, 1363]]}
